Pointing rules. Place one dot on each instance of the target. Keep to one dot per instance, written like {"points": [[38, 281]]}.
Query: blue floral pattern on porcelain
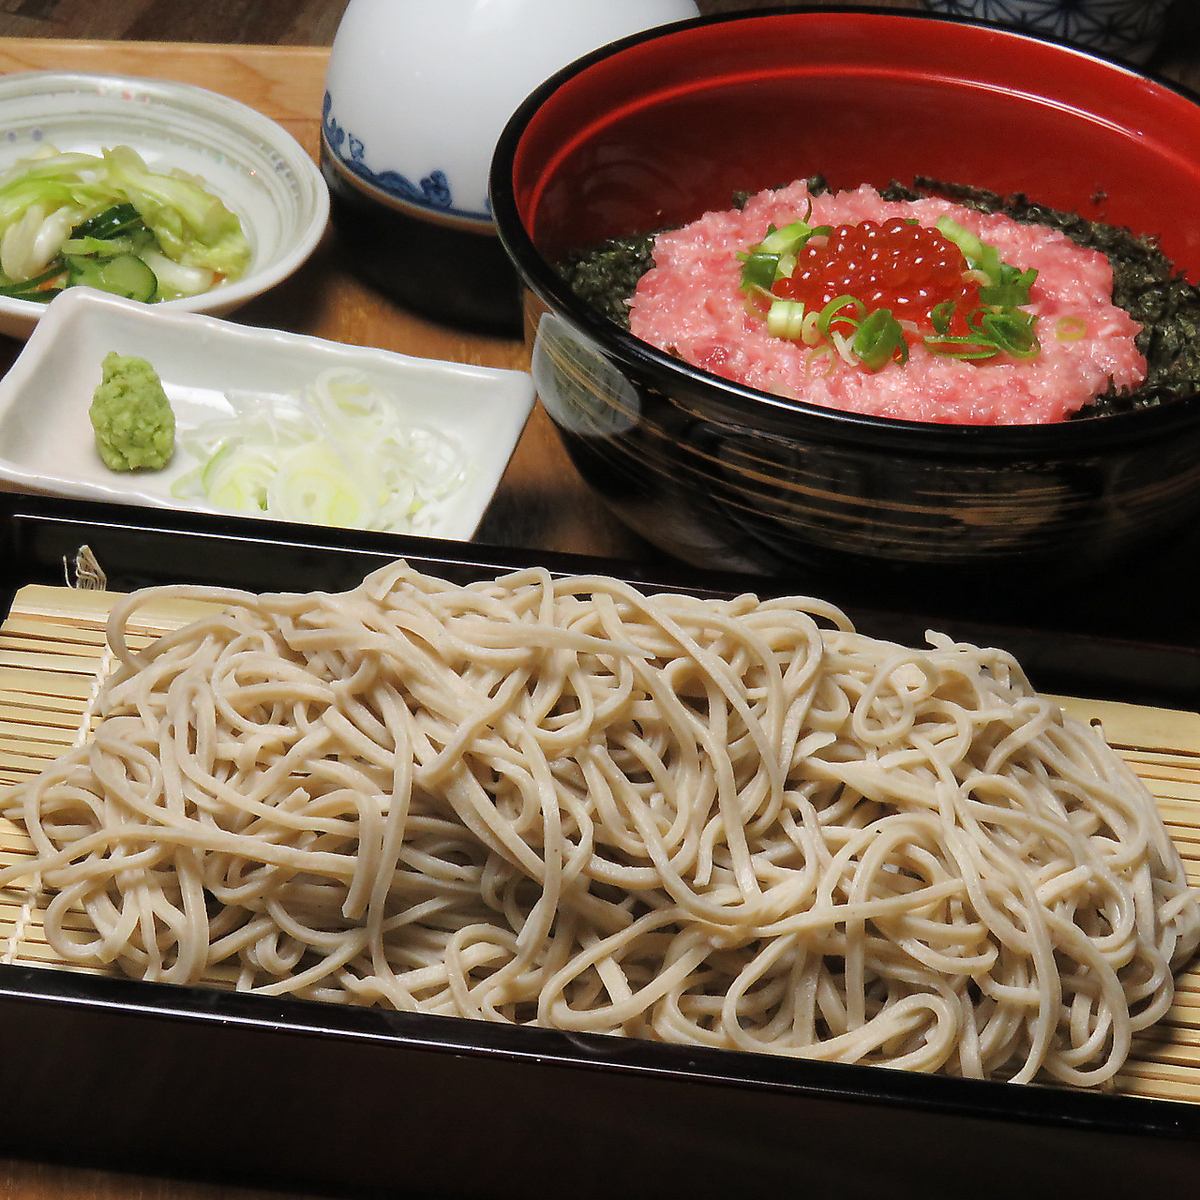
{"points": [[432, 193]]}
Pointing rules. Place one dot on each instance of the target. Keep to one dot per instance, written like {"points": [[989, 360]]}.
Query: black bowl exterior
{"points": [[702, 482], [718, 473]]}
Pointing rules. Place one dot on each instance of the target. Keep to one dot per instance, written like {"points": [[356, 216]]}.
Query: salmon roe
{"points": [[891, 264]]}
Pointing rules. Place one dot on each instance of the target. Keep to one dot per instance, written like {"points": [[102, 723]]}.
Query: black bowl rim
{"points": [[780, 414]]}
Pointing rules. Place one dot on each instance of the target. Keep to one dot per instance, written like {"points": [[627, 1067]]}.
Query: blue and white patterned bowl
{"points": [[416, 95], [1128, 29]]}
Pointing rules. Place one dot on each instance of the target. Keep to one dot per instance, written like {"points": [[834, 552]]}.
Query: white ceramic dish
{"points": [[257, 168], [46, 439]]}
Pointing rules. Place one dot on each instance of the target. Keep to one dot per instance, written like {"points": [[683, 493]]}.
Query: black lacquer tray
{"points": [[296, 1094]]}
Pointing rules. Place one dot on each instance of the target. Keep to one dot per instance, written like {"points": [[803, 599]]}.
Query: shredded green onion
{"points": [[811, 330], [342, 452]]}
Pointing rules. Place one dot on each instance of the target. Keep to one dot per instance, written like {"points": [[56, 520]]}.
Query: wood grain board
{"points": [[53, 656]]}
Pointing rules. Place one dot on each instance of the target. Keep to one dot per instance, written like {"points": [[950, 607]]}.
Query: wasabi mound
{"points": [[132, 417]]}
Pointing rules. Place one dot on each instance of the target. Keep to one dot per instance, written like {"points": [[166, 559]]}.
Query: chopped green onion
{"points": [[758, 269], [845, 350], [975, 321], [941, 315], [1006, 286], [876, 339], [774, 257], [1070, 329], [879, 339], [811, 330], [833, 311], [785, 240], [786, 319], [977, 252], [1011, 289], [1013, 332], [790, 238], [961, 347]]}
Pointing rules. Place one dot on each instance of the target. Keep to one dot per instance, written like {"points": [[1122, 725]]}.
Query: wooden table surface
{"points": [[541, 502]]}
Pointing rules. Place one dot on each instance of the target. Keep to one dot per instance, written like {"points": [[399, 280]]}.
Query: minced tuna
{"points": [[691, 305]]}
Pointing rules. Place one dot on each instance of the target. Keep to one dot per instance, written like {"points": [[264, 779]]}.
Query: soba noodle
{"points": [[556, 801]]}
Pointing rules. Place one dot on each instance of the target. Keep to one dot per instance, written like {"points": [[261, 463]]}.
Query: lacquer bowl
{"points": [[657, 129]]}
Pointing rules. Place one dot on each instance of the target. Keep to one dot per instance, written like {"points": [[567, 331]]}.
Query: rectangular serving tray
{"points": [[292, 1093]]}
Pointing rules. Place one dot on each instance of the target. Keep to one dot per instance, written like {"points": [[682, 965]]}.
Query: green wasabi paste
{"points": [[132, 417]]}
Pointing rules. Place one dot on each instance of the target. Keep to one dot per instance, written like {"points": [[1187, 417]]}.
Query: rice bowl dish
{"points": [[714, 470]]}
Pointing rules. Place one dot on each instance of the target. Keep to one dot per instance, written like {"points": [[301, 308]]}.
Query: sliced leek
{"points": [[342, 453]]}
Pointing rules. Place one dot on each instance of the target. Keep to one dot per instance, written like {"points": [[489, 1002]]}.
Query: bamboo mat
{"points": [[53, 657]]}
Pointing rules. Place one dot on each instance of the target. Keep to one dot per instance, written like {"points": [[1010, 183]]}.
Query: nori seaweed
{"points": [[1145, 283], [606, 275]]}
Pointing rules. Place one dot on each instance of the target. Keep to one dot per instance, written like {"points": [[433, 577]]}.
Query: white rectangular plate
{"points": [[46, 438]]}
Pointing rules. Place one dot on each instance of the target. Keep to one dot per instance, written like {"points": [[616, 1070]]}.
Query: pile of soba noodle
{"points": [[557, 801]]}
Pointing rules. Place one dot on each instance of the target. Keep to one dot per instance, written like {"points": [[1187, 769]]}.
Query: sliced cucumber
{"points": [[125, 275], [32, 289], [120, 218], [128, 276]]}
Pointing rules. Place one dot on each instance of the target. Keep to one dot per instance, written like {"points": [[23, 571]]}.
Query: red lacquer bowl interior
{"points": [[667, 128]]}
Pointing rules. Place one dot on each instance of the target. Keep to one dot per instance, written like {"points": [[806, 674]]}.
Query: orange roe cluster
{"points": [[895, 264]]}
